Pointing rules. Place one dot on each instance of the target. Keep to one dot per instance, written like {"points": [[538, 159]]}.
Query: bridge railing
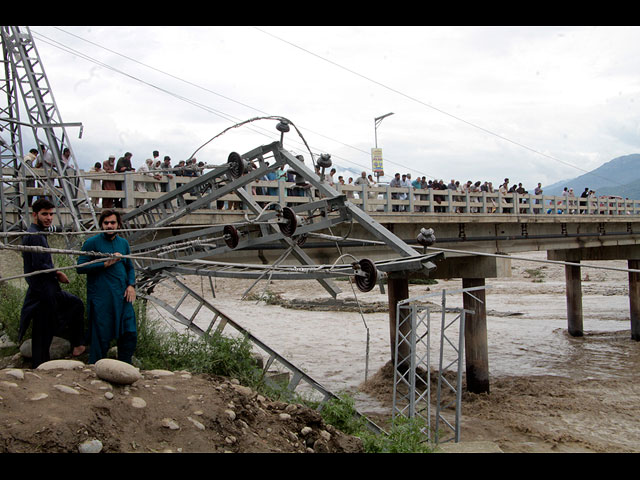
{"points": [[136, 188]]}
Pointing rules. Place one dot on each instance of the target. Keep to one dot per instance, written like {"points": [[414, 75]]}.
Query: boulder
{"points": [[60, 348], [116, 371], [61, 364]]}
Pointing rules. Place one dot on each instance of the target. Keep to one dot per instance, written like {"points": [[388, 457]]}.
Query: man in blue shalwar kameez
{"points": [[110, 291]]}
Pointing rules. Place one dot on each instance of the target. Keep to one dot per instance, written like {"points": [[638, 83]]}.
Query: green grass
{"points": [[216, 354], [405, 435]]}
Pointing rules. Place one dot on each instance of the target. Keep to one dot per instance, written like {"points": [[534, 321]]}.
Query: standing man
{"points": [[110, 291], [122, 166], [46, 306]]}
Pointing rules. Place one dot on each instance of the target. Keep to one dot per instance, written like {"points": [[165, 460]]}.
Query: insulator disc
{"points": [[236, 165], [231, 237], [301, 239], [288, 228], [368, 281]]}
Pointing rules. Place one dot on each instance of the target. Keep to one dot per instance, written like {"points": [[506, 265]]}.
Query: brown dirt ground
{"points": [[62, 421]]}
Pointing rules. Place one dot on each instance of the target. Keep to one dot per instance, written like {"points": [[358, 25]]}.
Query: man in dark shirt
{"points": [[50, 309]]}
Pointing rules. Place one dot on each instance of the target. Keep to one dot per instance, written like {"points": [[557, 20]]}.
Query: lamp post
{"points": [[376, 122]]}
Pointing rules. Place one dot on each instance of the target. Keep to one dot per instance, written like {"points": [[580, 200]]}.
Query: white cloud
{"points": [[566, 92]]}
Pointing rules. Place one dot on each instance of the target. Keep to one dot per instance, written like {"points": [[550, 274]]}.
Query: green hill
{"points": [[620, 176]]}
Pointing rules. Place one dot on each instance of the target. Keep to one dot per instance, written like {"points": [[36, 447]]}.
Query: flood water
{"points": [[526, 328]]}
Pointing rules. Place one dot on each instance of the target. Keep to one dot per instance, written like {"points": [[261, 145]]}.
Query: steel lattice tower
{"points": [[24, 79]]}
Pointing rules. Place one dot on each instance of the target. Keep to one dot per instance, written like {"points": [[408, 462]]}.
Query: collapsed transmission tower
{"points": [[24, 79], [196, 252]]}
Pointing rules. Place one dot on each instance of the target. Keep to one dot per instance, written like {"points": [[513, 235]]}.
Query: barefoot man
{"points": [[46, 306]]}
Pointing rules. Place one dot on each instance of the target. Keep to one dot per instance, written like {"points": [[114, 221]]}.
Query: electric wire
{"points": [[269, 134]]}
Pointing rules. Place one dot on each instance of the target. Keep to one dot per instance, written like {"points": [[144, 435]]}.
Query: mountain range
{"points": [[620, 176]]}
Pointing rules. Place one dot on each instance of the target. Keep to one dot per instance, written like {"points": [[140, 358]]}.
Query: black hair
{"points": [[42, 204], [108, 213]]}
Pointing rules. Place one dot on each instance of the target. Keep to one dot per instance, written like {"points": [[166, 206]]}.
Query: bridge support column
{"points": [[634, 298], [475, 337], [397, 290], [574, 300]]}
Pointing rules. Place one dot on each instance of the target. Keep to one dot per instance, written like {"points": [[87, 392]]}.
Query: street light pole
{"points": [[376, 122]]}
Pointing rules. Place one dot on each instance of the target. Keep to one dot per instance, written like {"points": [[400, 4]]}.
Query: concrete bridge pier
{"points": [[474, 270], [634, 298], [476, 348], [574, 300], [631, 253]]}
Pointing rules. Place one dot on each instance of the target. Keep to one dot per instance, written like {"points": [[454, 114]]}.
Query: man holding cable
{"points": [[110, 291]]}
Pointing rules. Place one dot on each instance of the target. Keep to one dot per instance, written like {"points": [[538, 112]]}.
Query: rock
{"points": [[285, 416], [5, 341], [243, 390], [160, 373], [170, 423], [39, 396], [66, 389], [16, 373], [108, 395], [60, 364], [306, 431], [60, 347], [4, 383], [196, 423], [116, 371], [90, 446], [231, 414], [138, 402]]}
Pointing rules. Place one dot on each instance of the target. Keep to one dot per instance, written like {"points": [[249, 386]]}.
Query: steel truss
{"points": [[412, 371], [24, 77], [186, 254]]}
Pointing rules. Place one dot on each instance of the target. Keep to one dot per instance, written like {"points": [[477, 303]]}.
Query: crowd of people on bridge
{"points": [[419, 188]]}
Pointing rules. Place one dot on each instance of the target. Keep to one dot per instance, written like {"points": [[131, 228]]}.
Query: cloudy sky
{"points": [[535, 104]]}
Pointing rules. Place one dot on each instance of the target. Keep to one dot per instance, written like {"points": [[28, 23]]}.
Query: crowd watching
{"points": [[160, 171]]}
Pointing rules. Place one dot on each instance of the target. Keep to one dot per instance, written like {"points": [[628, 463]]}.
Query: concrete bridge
{"points": [[477, 232]]}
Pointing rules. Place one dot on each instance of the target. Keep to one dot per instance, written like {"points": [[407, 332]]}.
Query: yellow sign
{"points": [[376, 160]]}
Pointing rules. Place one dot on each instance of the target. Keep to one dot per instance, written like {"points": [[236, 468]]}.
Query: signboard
{"points": [[376, 161]]}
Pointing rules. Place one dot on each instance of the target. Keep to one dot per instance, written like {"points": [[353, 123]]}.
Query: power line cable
{"points": [[86, 57], [439, 110]]}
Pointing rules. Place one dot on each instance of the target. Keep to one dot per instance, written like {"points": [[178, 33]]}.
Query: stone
{"points": [[66, 389], [160, 373], [285, 416], [116, 371], [60, 347], [196, 423], [170, 423], [4, 383], [39, 396], [306, 431], [243, 390], [231, 414], [90, 446], [60, 364], [16, 373], [108, 395], [5, 341], [138, 402]]}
